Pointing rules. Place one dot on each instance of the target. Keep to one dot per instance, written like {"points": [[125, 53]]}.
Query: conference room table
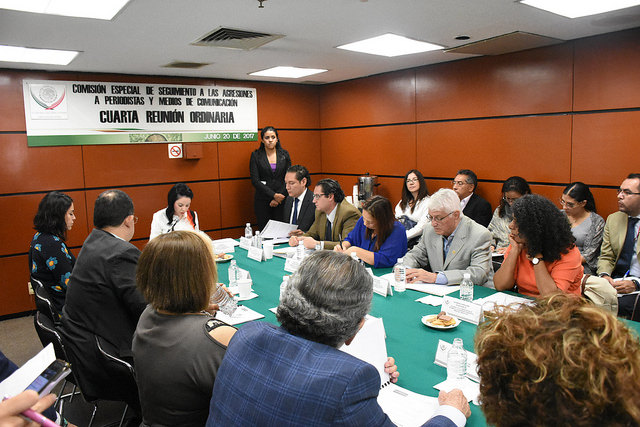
{"points": [[409, 341]]}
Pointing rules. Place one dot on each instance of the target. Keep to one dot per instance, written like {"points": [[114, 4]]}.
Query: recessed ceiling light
{"points": [[36, 56], [288, 72], [390, 45], [579, 8], [96, 9]]}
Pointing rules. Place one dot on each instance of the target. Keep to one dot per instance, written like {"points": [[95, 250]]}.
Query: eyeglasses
{"points": [[438, 219], [567, 204], [510, 200], [626, 192], [459, 183], [317, 196], [411, 180]]}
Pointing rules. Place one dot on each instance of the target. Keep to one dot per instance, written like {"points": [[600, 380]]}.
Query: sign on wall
{"points": [[83, 113]]}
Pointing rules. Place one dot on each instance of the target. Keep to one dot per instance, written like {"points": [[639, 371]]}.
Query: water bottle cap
{"points": [[457, 341], [400, 259], [467, 275]]}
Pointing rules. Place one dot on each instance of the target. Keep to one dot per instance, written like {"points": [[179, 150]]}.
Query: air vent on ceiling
{"points": [[505, 43], [233, 38], [188, 65]]}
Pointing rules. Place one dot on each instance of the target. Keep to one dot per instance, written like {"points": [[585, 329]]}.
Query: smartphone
{"points": [[50, 377]]}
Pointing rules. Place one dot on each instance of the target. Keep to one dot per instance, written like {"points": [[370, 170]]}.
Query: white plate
{"points": [[425, 320], [230, 257]]}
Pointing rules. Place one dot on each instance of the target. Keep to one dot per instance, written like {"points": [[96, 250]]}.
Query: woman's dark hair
{"points": [[544, 227], [177, 191], [513, 183], [265, 130], [380, 209], [407, 197], [580, 192], [50, 217]]}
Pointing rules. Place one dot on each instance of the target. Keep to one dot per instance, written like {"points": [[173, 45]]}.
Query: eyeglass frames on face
{"points": [[317, 196], [458, 183], [411, 180], [626, 192], [438, 219], [567, 204], [510, 200]]}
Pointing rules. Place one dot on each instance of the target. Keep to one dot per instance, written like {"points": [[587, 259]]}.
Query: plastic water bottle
{"points": [[300, 251], [226, 304], [400, 272], [283, 286], [466, 288], [456, 361], [257, 240], [233, 272], [355, 258], [248, 232]]}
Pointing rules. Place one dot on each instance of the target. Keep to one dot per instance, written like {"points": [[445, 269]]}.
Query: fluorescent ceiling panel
{"points": [[579, 8], [96, 9], [390, 45], [288, 72], [36, 56]]}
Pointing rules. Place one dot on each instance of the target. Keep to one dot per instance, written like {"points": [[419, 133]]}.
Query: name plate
{"points": [[255, 254], [245, 243], [463, 310], [291, 265], [381, 286], [472, 360]]}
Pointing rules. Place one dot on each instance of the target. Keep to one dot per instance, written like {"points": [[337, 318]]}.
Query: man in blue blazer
{"points": [[295, 374], [298, 206]]}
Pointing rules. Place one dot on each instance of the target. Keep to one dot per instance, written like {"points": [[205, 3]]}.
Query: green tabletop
{"points": [[411, 343]]}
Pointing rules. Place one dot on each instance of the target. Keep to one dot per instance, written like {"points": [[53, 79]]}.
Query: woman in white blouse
{"points": [[411, 211], [176, 216]]}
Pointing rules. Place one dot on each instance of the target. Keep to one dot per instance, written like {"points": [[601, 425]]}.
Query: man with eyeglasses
{"points": [[334, 218], [454, 244], [298, 207], [620, 250], [103, 304], [473, 206]]}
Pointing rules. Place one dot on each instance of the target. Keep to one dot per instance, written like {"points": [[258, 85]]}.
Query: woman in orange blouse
{"points": [[542, 257]]}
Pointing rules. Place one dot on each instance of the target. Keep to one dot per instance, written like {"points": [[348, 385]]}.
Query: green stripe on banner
{"points": [[138, 138]]}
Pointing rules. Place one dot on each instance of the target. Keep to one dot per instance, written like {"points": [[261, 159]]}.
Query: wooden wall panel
{"points": [[206, 201], [304, 147], [387, 150], [606, 200], [236, 201], [606, 71], [386, 98], [234, 157], [287, 105], [117, 165], [28, 169], [605, 147], [536, 148], [532, 81], [17, 233], [14, 275]]}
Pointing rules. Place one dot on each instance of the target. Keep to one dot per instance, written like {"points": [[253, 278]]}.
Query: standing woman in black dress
{"points": [[268, 166]]}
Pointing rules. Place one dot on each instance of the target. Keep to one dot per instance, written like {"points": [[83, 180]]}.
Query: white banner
{"points": [[76, 113]]}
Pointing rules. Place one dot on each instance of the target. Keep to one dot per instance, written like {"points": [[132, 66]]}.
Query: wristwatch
{"points": [[535, 261]]}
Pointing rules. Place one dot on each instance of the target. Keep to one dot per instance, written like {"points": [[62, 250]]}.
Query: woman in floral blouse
{"points": [[49, 259]]}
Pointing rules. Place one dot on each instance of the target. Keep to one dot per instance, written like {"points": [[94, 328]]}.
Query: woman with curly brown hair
{"points": [[542, 257], [559, 362]]}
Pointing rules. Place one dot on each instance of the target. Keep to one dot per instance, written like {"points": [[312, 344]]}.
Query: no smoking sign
{"points": [[175, 151]]}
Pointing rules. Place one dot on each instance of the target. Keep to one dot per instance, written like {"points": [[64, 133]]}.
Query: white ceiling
{"points": [[148, 34]]}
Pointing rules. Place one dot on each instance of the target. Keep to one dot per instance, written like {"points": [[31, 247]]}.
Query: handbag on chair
{"points": [[599, 291]]}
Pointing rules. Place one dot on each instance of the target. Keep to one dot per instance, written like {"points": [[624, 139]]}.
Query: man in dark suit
{"points": [[103, 303], [295, 374], [298, 207], [473, 206]]}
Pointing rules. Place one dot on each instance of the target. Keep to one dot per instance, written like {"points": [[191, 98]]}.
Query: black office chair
{"points": [[43, 303]]}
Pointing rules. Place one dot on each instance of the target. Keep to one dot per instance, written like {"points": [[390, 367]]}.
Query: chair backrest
{"points": [[43, 303], [48, 334]]}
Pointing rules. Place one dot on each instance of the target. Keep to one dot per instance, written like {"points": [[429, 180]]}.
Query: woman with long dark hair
{"points": [[50, 261], [542, 257], [512, 189], [267, 167], [177, 215], [411, 210], [377, 239], [586, 225]]}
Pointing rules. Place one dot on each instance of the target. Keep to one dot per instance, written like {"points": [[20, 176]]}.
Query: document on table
{"points": [[501, 298], [275, 229], [241, 315], [17, 382], [429, 288], [284, 251], [369, 345], [627, 278]]}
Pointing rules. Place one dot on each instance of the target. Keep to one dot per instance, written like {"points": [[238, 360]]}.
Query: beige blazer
{"points": [[346, 217], [615, 231]]}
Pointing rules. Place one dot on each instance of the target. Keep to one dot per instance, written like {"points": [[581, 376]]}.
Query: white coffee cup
{"points": [[267, 247], [244, 288]]}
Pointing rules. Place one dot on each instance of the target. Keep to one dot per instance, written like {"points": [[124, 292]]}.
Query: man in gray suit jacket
{"points": [[452, 246]]}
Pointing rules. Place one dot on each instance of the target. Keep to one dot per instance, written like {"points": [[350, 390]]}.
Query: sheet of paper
{"points": [[284, 251], [406, 408], [17, 382], [501, 298], [279, 240], [225, 245], [241, 315], [470, 389], [429, 288], [627, 278], [431, 300], [275, 229], [369, 345]]}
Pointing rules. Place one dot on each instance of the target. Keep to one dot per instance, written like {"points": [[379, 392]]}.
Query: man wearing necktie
{"points": [[298, 206], [619, 252]]}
